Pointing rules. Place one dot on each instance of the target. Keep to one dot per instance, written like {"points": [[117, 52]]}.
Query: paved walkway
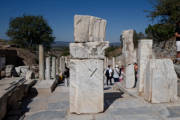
{"points": [[55, 106]]}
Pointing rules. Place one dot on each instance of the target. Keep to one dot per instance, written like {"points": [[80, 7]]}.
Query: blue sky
{"points": [[120, 15]]}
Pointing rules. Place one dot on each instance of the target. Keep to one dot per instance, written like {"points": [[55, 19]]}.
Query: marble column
{"points": [[53, 68], [144, 55], [48, 69], [41, 63]]}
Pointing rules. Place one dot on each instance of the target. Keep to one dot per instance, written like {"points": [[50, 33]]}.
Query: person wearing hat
{"points": [[116, 73]]}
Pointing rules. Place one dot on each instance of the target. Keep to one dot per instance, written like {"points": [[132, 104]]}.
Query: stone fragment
{"points": [[9, 70], [24, 70], [129, 76], [30, 75], [128, 50], [161, 81], [144, 55], [86, 86], [88, 50], [89, 28]]}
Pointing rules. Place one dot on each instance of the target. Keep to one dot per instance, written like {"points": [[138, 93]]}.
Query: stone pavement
{"points": [[55, 106]]}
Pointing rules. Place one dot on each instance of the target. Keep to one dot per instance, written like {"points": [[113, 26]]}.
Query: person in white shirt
{"points": [[116, 74]]}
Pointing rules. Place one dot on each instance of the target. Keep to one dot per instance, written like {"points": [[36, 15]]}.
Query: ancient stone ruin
{"points": [[129, 55], [144, 55], [86, 65], [161, 81]]}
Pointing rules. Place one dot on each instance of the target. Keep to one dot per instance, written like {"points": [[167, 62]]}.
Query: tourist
{"points": [[177, 34], [116, 73], [136, 72], [66, 76], [121, 74], [109, 75]]}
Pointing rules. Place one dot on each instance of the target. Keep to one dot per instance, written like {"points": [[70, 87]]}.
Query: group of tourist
{"points": [[117, 74]]}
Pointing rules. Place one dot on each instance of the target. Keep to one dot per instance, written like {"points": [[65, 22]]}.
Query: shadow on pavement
{"points": [[109, 98]]}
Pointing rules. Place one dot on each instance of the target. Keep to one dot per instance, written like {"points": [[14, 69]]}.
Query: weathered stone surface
{"points": [[88, 50], [129, 76], [8, 70], [86, 86], [57, 66], [144, 55], [161, 81], [30, 75], [128, 50], [48, 69], [89, 28], [62, 64], [53, 68], [41, 63]]}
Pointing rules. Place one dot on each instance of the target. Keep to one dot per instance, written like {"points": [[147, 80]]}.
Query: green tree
{"points": [[29, 31], [165, 13]]}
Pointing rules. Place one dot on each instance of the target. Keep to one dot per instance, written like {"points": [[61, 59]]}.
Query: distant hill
{"points": [[66, 44], [60, 44], [115, 44]]}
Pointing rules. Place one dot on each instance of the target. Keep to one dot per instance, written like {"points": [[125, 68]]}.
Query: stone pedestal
{"points": [[41, 63], [161, 81], [48, 69], [144, 55], [86, 86]]}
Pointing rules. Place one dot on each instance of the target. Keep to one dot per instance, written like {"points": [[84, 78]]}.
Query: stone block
{"points": [[88, 50], [129, 76], [161, 81], [86, 86], [9, 70], [30, 75], [144, 55], [128, 50], [89, 28]]}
